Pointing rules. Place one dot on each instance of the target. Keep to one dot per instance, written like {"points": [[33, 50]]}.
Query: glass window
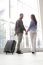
{"points": [[10, 9]]}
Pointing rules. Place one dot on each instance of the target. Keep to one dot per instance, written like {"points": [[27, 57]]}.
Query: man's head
{"points": [[21, 15]]}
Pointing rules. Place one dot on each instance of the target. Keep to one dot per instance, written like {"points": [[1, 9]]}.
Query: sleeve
{"points": [[24, 28], [16, 26], [30, 26]]}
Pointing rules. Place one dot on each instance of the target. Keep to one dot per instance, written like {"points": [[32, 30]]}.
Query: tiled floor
{"points": [[23, 59]]}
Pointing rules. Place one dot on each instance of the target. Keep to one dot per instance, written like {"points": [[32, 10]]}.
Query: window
{"points": [[10, 10]]}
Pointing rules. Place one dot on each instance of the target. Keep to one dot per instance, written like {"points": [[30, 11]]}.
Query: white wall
{"points": [[41, 13]]}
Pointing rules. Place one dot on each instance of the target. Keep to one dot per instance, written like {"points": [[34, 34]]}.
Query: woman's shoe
{"points": [[33, 52]]}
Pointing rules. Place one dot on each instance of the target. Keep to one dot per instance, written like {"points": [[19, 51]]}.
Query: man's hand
{"points": [[26, 32], [14, 34]]}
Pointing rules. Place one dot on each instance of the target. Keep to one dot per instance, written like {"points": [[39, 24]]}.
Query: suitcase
{"points": [[10, 46]]}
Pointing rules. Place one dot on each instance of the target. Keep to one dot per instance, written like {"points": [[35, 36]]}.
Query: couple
{"points": [[19, 28]]}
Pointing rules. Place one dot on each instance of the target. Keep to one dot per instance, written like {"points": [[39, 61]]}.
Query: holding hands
{"points": [[26, 32]]}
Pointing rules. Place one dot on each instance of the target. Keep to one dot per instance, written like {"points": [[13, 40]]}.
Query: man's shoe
{"points": [[19, 52]]}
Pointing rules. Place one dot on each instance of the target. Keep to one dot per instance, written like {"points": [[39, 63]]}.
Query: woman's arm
{"points": [[31, 24]]}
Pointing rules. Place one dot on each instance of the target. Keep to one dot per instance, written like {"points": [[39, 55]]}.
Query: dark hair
{"points": [[21, 14], [34, 19]]}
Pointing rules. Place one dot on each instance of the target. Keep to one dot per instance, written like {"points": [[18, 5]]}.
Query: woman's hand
{"points": [[27, 31]]}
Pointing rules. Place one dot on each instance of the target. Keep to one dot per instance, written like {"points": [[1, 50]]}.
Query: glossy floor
{"points": [[23, 59]]}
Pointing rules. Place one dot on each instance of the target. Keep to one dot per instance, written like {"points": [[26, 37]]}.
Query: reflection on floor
{"points": [[23, 59]]}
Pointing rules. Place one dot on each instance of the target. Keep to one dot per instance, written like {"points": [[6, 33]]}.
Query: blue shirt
{"points": [[33, 26]]}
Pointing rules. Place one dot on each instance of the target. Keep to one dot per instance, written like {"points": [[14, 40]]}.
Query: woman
{"points": [[33, 32]]}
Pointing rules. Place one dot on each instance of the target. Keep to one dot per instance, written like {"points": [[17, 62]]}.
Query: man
{"points": [[19, 28]]}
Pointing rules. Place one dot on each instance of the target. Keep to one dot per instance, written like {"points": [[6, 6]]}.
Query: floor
{"points": [[23, 59]]}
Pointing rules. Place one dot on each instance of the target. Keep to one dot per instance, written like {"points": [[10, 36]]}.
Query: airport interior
{"points": [[9, 14]]}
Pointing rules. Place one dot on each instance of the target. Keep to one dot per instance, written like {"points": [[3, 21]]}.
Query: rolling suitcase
{"points": [[10, 46]]}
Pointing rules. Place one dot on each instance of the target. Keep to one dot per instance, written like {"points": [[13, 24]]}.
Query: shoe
{"points": [[33, 52], [19, 52]]}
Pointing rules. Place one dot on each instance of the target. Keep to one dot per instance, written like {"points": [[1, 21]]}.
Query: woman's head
{"points": [[34, 18]]}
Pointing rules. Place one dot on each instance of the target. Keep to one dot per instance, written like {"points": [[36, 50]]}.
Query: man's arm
{"points": [[31, 24], [24, 28], [17, 27]]}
